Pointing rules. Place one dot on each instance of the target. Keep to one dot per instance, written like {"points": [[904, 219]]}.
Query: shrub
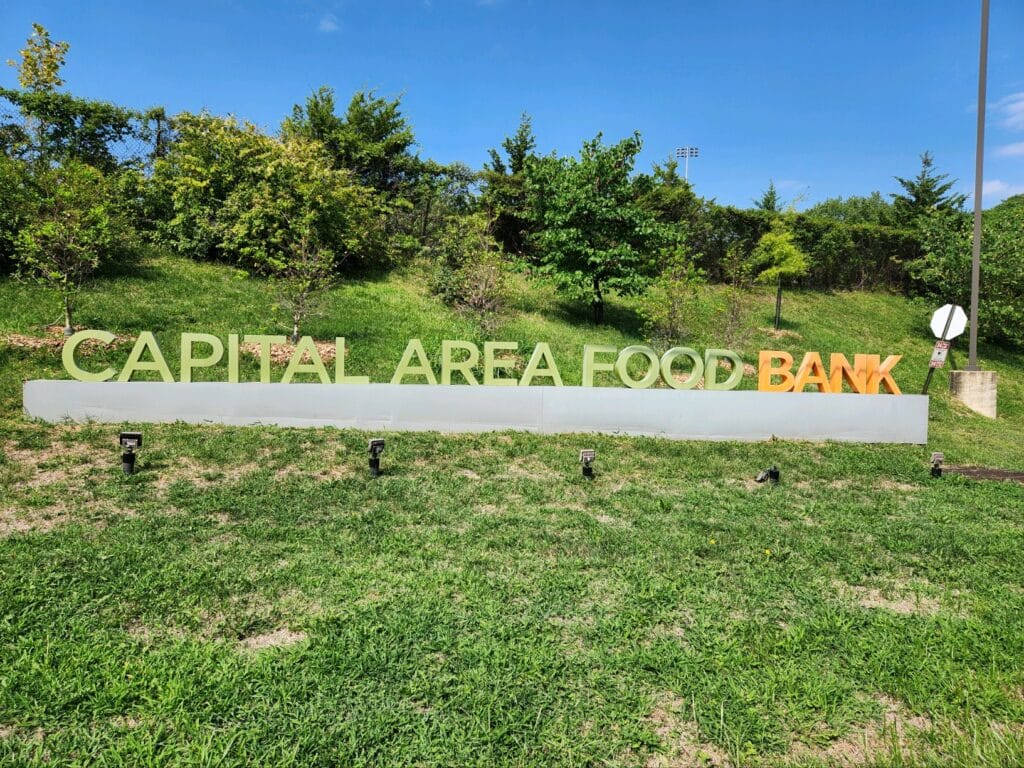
{"points": [[72, 228], [471, 271]]}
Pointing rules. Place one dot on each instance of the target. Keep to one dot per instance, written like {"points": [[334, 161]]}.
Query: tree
{"points": [[210, 158], [505, 195], [55, 125], [296, 221], [591, 234], [72, 230], [944, 270], [373, 139], [41, 60], [928, 191], [16, 194], [769, 200], [671, 201], [776, 259], [873, 209]]}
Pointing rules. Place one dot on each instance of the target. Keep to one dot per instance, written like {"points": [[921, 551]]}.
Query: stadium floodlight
{"points": [[376, 448], [685, 153], [130, 442], [587, 456]]}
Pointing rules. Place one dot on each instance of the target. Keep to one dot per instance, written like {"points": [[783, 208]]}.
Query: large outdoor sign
{"points": [[681, 393], [459, 361]]}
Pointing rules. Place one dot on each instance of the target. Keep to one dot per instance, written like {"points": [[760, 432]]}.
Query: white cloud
{"points": [[996, 188], [1011, 108], [1011, 150], [328, 23]]}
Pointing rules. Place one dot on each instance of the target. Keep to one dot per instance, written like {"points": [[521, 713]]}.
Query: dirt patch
{"points": [[281, 354], [748, 484], [895, 485], [469, 474], [782, 333], [279, 638], [863, 745], [200, 475], [57, 463], [609, 520], [898, 600], [532, 470], [31, 520], [674, 725]]}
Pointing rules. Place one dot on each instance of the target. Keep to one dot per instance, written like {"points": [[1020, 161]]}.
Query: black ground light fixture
{"points": [[130, 442], [771, 474], [587, 456], [376, 448], [937, 458]]}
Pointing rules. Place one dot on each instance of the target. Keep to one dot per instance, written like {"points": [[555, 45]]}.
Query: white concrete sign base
{"points": [[681, 415]]}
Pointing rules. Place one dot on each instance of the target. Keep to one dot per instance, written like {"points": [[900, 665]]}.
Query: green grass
{"points": [[481, 604]]}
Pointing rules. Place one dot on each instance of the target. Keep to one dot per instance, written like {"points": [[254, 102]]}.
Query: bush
{"points": [[471, 271], [840, 255], [943, 271], [16, 194], [671, 303]]}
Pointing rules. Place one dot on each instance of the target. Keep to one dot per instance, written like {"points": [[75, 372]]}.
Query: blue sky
{"points": [[826, 98]]}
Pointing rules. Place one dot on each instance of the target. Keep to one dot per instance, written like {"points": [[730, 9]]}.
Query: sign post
{"points": [[952, 320]]}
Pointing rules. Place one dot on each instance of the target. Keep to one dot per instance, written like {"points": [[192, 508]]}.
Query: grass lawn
{"points": [[252, 597]]}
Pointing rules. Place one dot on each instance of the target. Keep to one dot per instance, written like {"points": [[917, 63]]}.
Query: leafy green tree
{"points": [[873, 209], [777, 259], [210, 158], [769, 200], [72, 229], [373, 139], [928, 191], [505, 193], [591, 234], [944, 269], [41, 61], [296, 221], [16, 196], [56, 125]]}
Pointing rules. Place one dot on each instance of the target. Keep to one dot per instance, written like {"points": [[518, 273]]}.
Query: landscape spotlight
{"points": [[772, 474], [587, 456], [376, 449], [130, 441], [937, 458]]}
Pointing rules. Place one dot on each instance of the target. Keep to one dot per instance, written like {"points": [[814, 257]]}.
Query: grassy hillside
{"points": [[251, 597], [169, 295]]}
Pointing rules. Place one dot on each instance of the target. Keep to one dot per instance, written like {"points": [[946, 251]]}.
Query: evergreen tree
{"points": [[928, 191], [505, 191]]}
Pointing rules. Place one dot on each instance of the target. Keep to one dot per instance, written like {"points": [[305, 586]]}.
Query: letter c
{"points": [[67, 356]]}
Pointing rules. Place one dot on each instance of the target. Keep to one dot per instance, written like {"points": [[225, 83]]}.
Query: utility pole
{"points": [[972, 359], [686, 153]]}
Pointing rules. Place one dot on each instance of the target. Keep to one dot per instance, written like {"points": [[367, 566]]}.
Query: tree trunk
{"points": [[68, 329], [295, 329], [778, 307], [598, 303]]}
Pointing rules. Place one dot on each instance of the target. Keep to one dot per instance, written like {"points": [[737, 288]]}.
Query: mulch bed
{"points": [[54, 341], [986, 473]]}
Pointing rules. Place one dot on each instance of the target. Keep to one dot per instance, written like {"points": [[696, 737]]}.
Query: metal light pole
{"points": [[972, 360], [687, 153]]}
